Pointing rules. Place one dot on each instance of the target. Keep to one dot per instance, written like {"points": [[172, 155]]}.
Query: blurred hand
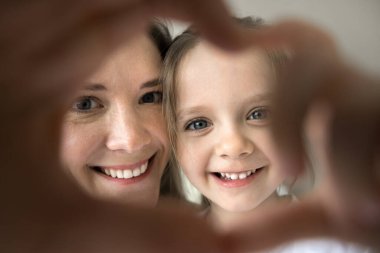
{"points": [[338, 108], [47, 47]]}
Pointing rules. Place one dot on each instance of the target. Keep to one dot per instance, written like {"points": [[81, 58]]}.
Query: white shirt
{"points": [[319, 246]]}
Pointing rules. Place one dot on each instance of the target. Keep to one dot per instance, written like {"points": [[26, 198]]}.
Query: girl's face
{"points": [[114, 139], [224, 143]]}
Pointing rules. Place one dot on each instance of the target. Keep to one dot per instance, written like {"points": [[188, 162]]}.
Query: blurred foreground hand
{"points": [[338, 109]]}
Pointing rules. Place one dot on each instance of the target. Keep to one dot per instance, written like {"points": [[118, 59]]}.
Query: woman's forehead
{"points": [[138, 56]]}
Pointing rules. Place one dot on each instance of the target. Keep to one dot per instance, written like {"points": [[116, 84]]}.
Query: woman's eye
{"points": [[198, 124], [259, 114], [86, 104], [154, 97]]}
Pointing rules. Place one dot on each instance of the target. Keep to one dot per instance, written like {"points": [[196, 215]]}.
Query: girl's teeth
{"points": [[236, 176], [242, 175], [126, 174]]}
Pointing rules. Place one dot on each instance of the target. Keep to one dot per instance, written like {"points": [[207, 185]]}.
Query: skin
{"points": [[218, 133], [115, 125]]}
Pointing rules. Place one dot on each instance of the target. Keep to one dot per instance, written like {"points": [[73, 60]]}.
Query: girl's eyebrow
{"points": [[194, 110], [261, 97], [152, 83], [186, 112]]}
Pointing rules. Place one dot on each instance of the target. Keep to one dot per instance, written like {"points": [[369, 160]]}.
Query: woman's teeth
{"points": [[236, 176], [126, 174]]}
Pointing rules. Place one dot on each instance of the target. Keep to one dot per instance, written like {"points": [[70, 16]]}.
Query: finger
{"points": [[211, 18], [348, 191], [283, 224], [302, 80], [355, 141], [295, 35], [136, 230], [57, 67], [316, 74]]}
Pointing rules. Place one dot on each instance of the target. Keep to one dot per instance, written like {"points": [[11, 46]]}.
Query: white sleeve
{"points": [[320, 246]]}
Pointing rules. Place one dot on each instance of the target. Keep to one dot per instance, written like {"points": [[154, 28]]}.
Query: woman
{"points": [[114, 140]]}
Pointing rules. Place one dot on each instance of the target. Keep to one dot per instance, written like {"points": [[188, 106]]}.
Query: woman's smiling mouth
{"points": [[124, 172]]}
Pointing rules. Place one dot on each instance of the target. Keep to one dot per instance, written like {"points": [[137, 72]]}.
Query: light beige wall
{"points": [[355, 24]]}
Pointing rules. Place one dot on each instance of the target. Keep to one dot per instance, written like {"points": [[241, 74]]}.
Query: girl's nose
{"points": [[127, 133], [234, 145]]}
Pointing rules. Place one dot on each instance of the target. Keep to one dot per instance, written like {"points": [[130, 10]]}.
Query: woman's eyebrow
{"points": [[94, 87], [151, 83]]}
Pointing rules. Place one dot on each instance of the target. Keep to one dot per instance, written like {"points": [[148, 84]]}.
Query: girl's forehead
{"points": [[207, 64], [210, 76], [213, 52], [205, 56]]}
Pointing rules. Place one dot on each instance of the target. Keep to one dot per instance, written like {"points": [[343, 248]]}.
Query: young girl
{"points": [[218, 105], [218, 108]]}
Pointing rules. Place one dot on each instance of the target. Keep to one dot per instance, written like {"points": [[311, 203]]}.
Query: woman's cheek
{"points": [[76, 143]]}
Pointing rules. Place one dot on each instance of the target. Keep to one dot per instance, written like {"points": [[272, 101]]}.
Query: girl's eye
{"points": [[86, 104], [261, 113], [197, 124], [154, 97]]}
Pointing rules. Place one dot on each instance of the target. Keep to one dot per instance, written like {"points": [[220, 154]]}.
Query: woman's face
{"points": [[114, 140]]}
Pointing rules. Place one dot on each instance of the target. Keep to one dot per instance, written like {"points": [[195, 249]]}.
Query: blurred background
{"points": [[355, 24]]}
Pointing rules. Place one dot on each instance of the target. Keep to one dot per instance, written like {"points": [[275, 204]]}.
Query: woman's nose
{"points": [[127, 133], [234, 145]]}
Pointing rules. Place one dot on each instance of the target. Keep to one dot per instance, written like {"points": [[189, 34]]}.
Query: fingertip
{"points": [[215, 22], [230, 37]]}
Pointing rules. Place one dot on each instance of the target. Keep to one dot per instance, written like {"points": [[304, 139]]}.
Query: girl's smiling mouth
{"points": [[236, 179], [236, 175]]}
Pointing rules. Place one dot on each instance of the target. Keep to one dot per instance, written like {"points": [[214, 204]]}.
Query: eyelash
{"points": [[157, 99], [92, 100], [262, 110], [193, 121], [189, 126]]}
